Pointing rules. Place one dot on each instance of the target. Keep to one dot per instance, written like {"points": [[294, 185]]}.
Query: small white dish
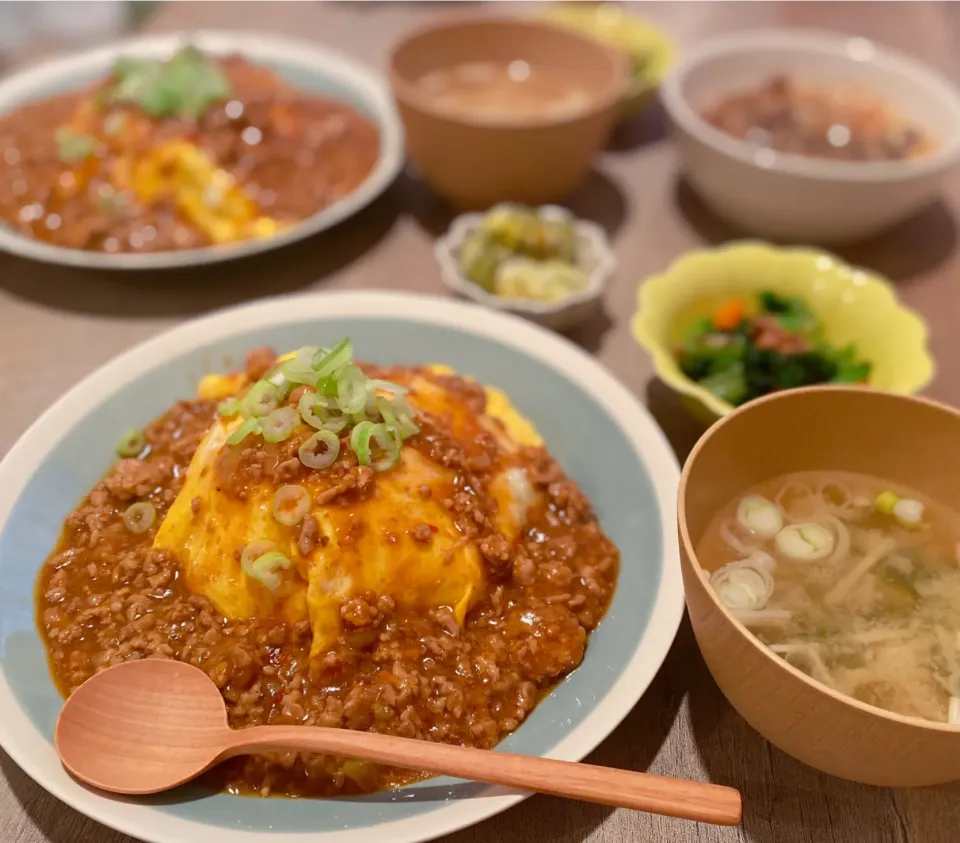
{"points": [[594, 256], [793, 197], [311, 68]]}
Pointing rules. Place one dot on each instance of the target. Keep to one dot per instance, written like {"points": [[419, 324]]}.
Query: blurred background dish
{"points": [[726, 325], [180, 150], [505, 109], [541, 263], [650, 50], [877, 440], [744, 107]]}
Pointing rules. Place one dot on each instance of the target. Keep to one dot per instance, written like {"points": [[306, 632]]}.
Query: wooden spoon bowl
{"points": [[151, 725]]}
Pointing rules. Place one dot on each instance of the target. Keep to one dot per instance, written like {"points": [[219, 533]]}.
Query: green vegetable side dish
{"points": [[649, 50], [739, 353], [183, 86], [519, 253]]}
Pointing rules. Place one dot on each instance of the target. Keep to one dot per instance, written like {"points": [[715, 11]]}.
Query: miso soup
{"points": [[851, 579], [505, 90]]}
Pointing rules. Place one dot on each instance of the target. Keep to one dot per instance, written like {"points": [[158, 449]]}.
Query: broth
{"points": [[851, 579], [505, 90]]}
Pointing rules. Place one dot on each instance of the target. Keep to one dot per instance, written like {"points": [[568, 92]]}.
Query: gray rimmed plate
{"points": [[598, 431], [313, 69]]}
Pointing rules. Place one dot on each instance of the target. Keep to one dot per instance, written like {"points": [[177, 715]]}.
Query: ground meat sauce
{"points": [[839, 122], [105, 596], [270, 152]]}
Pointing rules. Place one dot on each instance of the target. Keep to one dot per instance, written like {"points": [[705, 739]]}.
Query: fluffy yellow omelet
{"points": [[366, 545]]}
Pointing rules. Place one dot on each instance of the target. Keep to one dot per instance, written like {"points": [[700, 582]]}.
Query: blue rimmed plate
{"points": [[311, 68], [594, 427]]}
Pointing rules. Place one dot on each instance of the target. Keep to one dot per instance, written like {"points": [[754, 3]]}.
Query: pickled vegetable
{"points": [[519, 253]]}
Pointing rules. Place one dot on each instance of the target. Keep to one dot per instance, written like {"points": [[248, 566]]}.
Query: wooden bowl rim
{"points": [[409, 94]]}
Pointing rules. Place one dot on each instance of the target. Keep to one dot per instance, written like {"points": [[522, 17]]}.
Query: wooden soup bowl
{"points": [[905, 439], [474, 162]]}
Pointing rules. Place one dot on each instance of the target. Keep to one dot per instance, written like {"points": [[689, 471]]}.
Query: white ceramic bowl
{"points": [[793, 197], [595, 428], [594, 256], [312, 68]]}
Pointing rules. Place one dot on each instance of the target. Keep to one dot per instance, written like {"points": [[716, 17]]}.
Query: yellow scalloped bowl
{"points": [[613, 25], [854, 305]]}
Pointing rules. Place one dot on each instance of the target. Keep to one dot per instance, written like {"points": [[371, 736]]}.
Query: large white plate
{"points": [[313, 69]]}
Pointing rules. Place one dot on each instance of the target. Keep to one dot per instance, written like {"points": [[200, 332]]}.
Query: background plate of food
{"points": [[484, 557], [185, 149]]}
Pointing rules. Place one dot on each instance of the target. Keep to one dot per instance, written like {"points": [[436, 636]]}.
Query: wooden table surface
{"points": [[57, 325]]}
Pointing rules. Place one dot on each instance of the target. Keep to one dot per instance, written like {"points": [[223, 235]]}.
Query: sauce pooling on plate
{"points": [[505, 90], [851, 579], [841, 122]]}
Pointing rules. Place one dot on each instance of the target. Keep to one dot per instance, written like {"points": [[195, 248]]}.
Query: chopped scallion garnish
{"points": [[132, 444], [184, 86], [248, 428], [73, 147], [139, 517], [280, 424], [291, 504], [341, 395]]}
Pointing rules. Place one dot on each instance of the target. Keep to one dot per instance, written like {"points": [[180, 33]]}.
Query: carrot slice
{"points": [[729, 315]]}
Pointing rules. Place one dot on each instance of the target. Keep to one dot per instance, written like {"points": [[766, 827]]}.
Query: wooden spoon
{"points": [[147, 726]]}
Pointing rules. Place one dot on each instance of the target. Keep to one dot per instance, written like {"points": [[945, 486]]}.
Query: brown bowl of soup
{"points": [[502, 109], [820, 542]]}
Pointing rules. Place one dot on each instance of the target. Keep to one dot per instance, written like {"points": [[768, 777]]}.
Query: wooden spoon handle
{"points": [[621, 788]]}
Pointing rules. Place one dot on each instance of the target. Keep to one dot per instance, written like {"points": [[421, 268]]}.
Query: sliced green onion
{"points": [[885, 502], [280, 383], [320, 450], [139, 517], [132, 443], [759, 516], [805, 542], [397, 414], [327, 363], [743, 585], [261, 400], [908, 512], [228, 407], [264, 568], [387, 439], [254, 551], [183, 86], [297, 374], [321, 412], [280, 424], [72, 146], [360, 441], [249, 426], [305, 355], [291, 504], [352, 389], [389, 386]]}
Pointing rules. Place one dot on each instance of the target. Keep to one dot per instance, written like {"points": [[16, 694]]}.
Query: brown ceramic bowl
{"points": [[904, 439], [475, 163]]}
